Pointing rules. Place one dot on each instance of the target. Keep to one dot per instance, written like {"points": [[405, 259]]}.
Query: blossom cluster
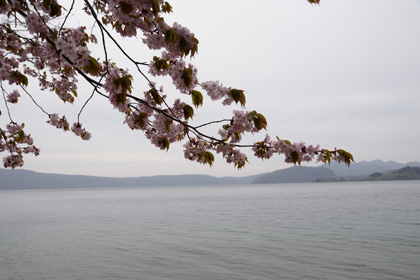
{"points": [[80, 131], [58, 122], [16, 142], [13, 96], [217, 91], [183, 77]]}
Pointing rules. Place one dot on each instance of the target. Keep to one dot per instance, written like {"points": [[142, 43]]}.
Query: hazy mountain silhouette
{"points": [[25, 179], [295, 174], [365, 168]]}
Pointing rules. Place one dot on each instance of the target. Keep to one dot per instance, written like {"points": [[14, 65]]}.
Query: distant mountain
{"points": [[405, 173], [295, 174], [24, 179], [365, 168]]}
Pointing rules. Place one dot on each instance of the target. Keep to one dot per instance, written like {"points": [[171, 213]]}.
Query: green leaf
{"points": [[3, 134], [160, 63], [124, 82], [55, 9], [73, 91], [92, 67], [187, 76], [197, 98], [238, 96], [126, 8], [257, 123], [316, 2], [241, 164], [194, 49], [170, 36], [139, 119], [287, 142], [166, 8], [208, 158], [20, 136], [348, 158], [46, 3], [121, 98], [183, 46], [259, 120], [168, 123], [19, 77], [327, 155], [164, 143], [263, 120], [294, 156], [156, 96], [188, 112], [155, 7]]}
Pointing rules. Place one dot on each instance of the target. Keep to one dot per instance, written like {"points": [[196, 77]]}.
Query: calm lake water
{"points": [[360, 230]]}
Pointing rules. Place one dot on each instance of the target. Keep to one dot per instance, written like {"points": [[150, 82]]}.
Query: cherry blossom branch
{"points": [[64, 52]]}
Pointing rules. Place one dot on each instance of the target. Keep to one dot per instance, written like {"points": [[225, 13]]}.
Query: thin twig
{"points": [[84, 105], [33, 100], [5, 101], [65, 19]]}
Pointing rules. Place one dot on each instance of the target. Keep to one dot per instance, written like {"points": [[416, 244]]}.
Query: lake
{"points": [[349, 230]]}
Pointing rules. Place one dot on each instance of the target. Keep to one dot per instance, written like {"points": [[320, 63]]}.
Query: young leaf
{"points": [[20, 136], [156, 96], [168, 123], [160, 63], [126, 8], [55, 9], [46, 3], [348, 158], [316, 2], [262, 120], [19, 77], [238, 96], [197, 98], [208, 158], [164, 143], [294, 156], [121, 98], [241, 164], [183, 46], [170, 36], [139, 119], [259, 120], [155, 7], [188, 112], [187, 76], [92, 67], [166, 8], [327, 155]]}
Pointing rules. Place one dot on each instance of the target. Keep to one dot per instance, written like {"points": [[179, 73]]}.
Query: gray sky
{"points": [[345, 74]]}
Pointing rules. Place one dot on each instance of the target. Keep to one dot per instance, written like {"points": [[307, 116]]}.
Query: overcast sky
{"points": [[345, 74]]}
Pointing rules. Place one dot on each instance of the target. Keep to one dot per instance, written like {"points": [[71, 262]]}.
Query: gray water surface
{"points": [[363, 230]]}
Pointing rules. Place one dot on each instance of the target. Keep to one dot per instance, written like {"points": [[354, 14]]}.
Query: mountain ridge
{"points": [[26, 179]]}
